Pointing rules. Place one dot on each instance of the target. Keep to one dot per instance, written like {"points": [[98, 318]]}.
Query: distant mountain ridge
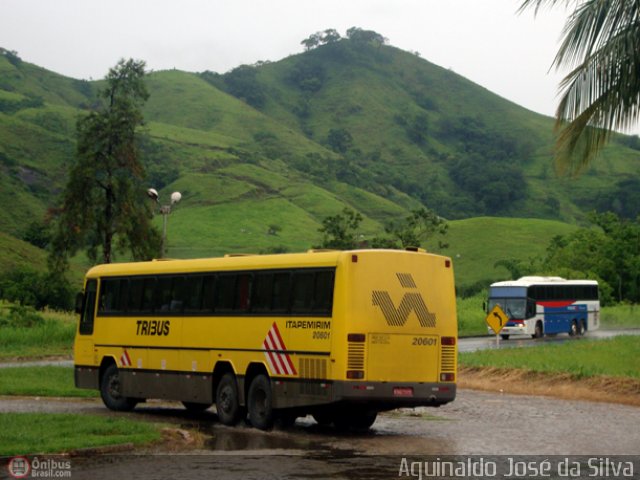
{"points": [[287, 143]]}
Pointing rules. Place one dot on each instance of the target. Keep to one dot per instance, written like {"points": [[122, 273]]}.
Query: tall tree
{"points": [[104, 200], [340, 231], [413, 231], [601, 93]]}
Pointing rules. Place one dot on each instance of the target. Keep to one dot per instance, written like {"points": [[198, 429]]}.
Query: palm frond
{"points": [[602, 93]]}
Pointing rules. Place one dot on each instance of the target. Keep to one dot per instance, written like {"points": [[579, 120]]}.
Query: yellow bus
{"points": [[340, 335]]}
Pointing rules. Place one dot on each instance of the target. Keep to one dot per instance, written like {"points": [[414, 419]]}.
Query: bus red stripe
{"points": [[274, 329], [557, 303], [271, 357], [291, 370], [280, 364]]}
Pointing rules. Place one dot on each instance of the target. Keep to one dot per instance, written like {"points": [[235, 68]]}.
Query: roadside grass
{"points": [[620, 316], [46, 381], [52, 337], [471, 316], [32, 433], [579, 358]]}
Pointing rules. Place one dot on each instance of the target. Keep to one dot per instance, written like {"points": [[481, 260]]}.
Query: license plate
{"points": [[403, 391]]}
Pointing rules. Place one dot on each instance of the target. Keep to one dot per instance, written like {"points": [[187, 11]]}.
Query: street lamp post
{"points": [[165, 210]]}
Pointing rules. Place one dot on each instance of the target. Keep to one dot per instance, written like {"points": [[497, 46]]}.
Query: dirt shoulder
{"points": [[522, 382]]}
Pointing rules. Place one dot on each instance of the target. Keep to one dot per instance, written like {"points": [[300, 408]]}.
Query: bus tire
{"points": [[323, 418], [286, 420], [111, 391], [504, 337], [538, 332], [582, 328], [227, 400], [574, 329], [194, 407], [354, 419], [260, 403]]}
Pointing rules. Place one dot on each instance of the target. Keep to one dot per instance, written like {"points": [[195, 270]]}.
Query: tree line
{"points": [[607, 251]]}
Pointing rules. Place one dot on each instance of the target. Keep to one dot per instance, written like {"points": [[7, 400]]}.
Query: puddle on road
{"points": [[392, 434]]}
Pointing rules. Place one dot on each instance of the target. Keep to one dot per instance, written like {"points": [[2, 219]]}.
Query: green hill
{"points": [[476, 244], [422, 130], [263, 153]]}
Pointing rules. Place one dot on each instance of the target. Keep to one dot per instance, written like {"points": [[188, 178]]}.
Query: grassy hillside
{"points": [[476, 244], [263, 153], [15, 253], [417, 128]]}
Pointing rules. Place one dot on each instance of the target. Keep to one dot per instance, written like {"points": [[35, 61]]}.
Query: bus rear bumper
{"points": [[395, 395]]}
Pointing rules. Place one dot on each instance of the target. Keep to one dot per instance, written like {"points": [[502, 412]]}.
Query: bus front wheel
{"points": [[227, 403], [574, 329], [260, 403], [538, 332], [111, 391]]}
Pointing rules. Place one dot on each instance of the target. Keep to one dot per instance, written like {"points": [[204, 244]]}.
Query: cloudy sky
{"points": [[483, 40]]}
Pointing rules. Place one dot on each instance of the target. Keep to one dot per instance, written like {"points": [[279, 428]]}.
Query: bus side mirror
{"points": [[79, 302]]}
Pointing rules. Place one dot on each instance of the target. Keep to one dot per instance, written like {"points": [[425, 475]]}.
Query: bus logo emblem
{"points": [[411, 302]]}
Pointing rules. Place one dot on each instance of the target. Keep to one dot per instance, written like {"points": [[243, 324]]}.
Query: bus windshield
{"points": [[513, 307]]}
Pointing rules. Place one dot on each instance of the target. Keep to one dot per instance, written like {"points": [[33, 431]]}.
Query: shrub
{"points": [[21, 316], [39, 290]]}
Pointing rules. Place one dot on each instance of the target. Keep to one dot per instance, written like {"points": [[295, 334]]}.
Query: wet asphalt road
{"points": [[477, 423], [471, 344]]}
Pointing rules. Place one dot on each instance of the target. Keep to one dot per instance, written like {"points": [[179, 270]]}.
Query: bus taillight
{"points": [[356, 337], [447, 377], [448, 340]]}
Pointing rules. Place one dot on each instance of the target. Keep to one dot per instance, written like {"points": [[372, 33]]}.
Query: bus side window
{"points": [[243, 293], [86, 320], [302, 292], [164, 294], [148, 292], [281, 292], [225, 292], [193, 293], [208, 293], [109, 296], [134, 300], [323, 295], [262, 292], [177, 295]]}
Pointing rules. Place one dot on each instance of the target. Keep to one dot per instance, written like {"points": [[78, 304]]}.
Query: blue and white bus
{"points": [[540, 306]]}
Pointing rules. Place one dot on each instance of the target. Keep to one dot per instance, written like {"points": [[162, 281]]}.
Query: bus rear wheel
{"points": [[582, 329], [260, 403], [323, 418], [355, 419], [111, 391], [227, 403]]}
